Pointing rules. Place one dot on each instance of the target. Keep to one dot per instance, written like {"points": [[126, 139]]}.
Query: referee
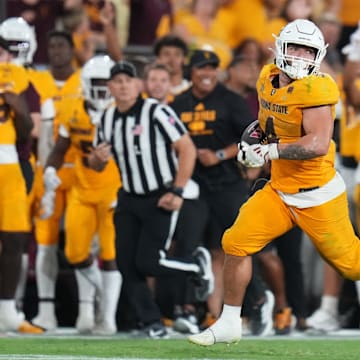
{"points": [[156, 157]]}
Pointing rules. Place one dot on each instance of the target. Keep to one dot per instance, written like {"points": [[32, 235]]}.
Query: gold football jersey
{"points": [[13, 78], [81, 131], [280, 116], [49, 88]]}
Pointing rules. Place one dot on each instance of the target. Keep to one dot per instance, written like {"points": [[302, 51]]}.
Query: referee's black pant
{"points": [[143, 233]]}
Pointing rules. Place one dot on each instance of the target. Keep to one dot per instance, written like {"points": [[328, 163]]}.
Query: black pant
{"points": [[142, 231]]}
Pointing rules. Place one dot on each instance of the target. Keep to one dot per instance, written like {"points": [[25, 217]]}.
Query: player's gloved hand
{"points": [[50, 178], [242, 158], [47, 204], [260, 154], [352, 50]]}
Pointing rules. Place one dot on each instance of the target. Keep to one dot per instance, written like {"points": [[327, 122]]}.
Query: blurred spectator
{"points": [[251, 49], [157, 82], [203, 27], [42, 14], [93, 27], [242, 75], [171, 51], [297, 9], [144, 18], [330, 26]]}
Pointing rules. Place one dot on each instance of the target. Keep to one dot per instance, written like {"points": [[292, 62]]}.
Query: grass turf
{"points": [[333, 349]]}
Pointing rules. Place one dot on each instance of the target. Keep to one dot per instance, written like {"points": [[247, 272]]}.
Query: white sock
{"points": [[86, 288], [46, 309], [111, 287], [228, 325], [21, 286], [46, 270], [92, 275], [330, 304]]}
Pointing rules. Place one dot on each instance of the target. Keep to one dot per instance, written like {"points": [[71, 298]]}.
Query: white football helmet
{"points": [[95, 69], [21, 38], [301, 32]]}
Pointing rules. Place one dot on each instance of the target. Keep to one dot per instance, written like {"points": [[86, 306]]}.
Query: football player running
{"points": [[297, 114], [92, 201]]}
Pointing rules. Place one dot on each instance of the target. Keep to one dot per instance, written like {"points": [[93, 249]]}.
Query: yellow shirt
{"points": [[280, 116], [76, 123]]}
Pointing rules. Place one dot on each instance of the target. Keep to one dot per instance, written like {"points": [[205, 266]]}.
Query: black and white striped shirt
{"points": [[141, 142]]}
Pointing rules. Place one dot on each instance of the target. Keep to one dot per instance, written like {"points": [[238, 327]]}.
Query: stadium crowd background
{"points": [[231, 28]]}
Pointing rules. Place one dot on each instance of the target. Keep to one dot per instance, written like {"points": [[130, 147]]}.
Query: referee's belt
{"points": [[153, 193]]}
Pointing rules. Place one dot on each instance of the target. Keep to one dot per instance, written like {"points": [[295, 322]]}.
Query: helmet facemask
{"points": [[20, 51], [303, 33], [21, 38], [94, 77], [98, 94]]}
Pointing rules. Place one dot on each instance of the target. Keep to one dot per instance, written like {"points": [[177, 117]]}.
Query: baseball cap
{"points": [[4, 44], [123, 67], [201, 58]]}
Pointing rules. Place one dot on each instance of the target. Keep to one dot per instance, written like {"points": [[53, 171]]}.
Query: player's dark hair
{"points": [[170, 40], [59, 33]]}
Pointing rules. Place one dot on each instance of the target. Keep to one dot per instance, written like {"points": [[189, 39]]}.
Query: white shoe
{"points": [[205, 278], [48, 322], [11, 320], [85, 324], [104, 329], [323, 320], [186, 323], [261, 320], [218, 334]]}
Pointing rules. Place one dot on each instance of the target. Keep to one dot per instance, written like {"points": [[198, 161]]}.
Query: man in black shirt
{"points": [[215, 118]]}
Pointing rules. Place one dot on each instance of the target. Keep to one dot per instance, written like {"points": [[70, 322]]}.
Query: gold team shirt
{"points": [[280, 116], [46, 86], [75, 123], [13, 78]]}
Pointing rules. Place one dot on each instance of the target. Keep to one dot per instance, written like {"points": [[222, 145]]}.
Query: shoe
{"points": [[205, 281], [27, 328], [246, 329], [85, 324], [218, 334], [282, 323], [261, 320], [186, 323], [104, 329], [156, 330], [48, 322], [323, 320], [300, 324]]}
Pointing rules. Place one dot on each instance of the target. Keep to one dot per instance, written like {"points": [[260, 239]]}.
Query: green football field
{"points": [[44, 348]]}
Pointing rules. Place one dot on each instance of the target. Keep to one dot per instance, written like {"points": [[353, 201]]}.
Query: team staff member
{"points": [[156, 158], [297, 108], [215, 118]]}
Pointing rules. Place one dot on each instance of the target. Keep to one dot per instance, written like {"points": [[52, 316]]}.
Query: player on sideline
{"points": [[297, 108]]}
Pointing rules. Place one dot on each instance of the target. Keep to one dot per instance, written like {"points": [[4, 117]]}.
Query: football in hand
{"points": [[253, 134]]}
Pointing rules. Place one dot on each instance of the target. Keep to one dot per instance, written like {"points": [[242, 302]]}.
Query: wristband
{"points": [[273, 151], [178, 191], [220, 154]]}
